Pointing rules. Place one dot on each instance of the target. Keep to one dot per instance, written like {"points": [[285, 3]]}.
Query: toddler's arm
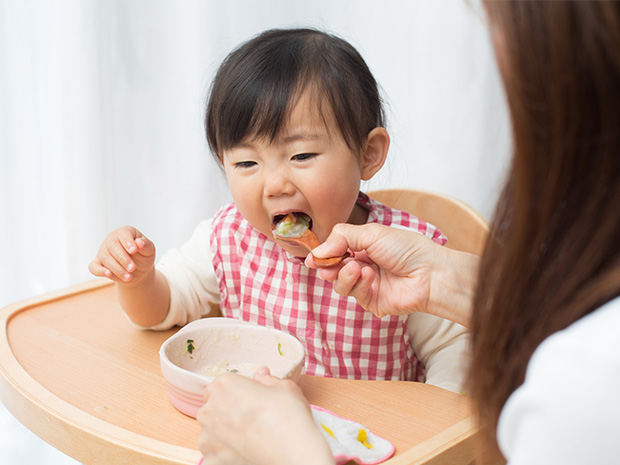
{"points": [[127, 257], [191, 277], [443, 347]]}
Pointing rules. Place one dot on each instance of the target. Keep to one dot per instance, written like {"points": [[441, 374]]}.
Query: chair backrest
{"points": [[465, 228]]}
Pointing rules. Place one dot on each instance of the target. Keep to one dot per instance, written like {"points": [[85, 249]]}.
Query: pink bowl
{"points": [[206, 348]]}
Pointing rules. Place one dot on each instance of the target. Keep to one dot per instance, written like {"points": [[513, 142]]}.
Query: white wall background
{"points": [[101, 106]]}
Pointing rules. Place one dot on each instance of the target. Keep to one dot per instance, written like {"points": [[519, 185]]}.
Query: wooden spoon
{"points": [[309, 240]]}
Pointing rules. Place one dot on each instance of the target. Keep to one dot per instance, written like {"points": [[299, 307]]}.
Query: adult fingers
{"points": [[263, 376], [262, 370], [357, 281], [348, 236], [224, 384], [344, 281]]}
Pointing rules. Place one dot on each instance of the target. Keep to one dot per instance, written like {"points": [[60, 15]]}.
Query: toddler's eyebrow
{"points": [[286, 139], [302, 136]]}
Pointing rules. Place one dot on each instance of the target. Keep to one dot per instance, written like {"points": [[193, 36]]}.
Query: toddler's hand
{"points": [[126, 256]]}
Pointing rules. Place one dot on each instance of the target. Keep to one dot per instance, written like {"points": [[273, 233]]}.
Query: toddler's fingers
{"points": [[116, 269], [97, 269], [127, 237], [146, 248], [114, 249]]}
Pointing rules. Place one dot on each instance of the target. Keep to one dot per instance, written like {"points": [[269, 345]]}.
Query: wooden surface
{"points": [[77, 374], [465, 228]]}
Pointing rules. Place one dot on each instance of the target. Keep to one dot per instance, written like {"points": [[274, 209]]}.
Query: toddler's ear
{"points": [[373, 157]]}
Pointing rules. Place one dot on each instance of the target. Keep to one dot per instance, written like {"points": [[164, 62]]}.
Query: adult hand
{"points": [[396, 272], [258, 421]]}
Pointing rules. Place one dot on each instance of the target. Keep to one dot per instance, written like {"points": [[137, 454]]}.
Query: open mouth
{"points": [[291, 225]]}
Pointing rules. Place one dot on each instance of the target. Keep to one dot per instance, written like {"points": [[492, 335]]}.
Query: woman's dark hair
{"points": [[258, 84], [554, 252]]}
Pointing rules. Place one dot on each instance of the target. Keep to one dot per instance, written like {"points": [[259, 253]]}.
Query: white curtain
{"points": [[101, 118]]}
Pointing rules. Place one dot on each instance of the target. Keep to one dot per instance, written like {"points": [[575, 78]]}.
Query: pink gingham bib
{"points": [[260, 283]]}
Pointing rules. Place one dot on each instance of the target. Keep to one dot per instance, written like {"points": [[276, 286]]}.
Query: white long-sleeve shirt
{"points": [[568, 409]]}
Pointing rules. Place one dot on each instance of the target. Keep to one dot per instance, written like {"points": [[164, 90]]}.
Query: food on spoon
{"points": [[292, 225], [294, 228]]}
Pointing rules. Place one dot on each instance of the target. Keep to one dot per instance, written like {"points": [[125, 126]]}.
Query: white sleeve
{"points": [[191, 277], [443, 347], [567, 411]]}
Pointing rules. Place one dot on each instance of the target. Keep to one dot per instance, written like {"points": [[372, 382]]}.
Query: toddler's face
{"points": [[307, 168]]}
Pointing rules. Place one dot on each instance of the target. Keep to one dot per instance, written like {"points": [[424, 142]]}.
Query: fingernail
{"points": [[126, 276], [318, 249], [261, 371]]}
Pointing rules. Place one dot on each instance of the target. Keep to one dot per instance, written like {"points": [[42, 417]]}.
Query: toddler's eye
{"points": [[304, 156], [245, 164]]}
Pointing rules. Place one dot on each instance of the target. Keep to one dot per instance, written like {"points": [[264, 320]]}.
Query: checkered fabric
{"points": [[260, 283]]}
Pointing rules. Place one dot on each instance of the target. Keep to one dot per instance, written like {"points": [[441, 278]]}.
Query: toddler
{"points": [[295, 120]]}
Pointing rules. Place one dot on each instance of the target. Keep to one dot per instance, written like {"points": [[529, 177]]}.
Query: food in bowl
{"points": [[207, 348]]}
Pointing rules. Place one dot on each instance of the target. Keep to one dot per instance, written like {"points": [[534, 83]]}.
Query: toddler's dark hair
{"points": [[258, 84]]}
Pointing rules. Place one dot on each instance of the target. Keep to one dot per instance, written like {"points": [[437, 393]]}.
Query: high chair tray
{"points": [[76, 373]]}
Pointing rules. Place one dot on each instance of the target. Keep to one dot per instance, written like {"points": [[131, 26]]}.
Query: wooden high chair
{"points": [[465, 228], [74, 371]]}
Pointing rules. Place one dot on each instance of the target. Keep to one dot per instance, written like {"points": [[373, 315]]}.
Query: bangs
{"points": [[252, 94], [256, 108], [258, 85]]}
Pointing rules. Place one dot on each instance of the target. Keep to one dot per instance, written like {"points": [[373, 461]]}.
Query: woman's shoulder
{"points": [[567, 409], [595, 333]]}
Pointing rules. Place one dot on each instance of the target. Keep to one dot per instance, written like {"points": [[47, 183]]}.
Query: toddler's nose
{"points": [[277, 183]]}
